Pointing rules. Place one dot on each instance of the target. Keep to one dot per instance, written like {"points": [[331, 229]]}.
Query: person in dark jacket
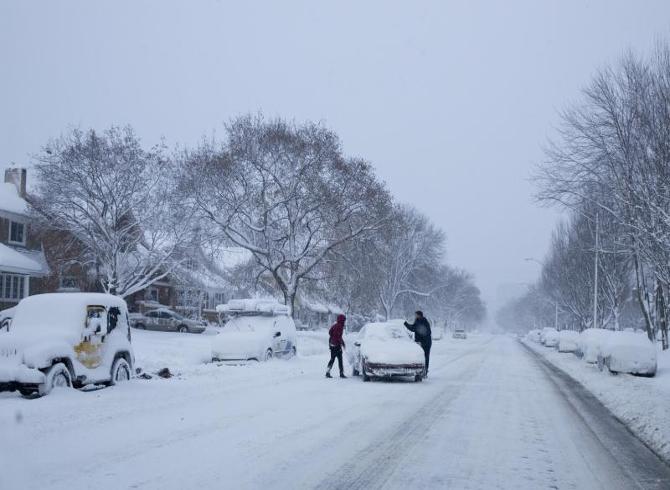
{"points": [[422, 335], [336, 343]]}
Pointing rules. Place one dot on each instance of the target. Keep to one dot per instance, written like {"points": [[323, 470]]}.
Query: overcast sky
{"points": [[451, 101]]}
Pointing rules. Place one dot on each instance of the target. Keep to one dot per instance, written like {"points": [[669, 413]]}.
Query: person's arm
{"points": [[410, 326]]}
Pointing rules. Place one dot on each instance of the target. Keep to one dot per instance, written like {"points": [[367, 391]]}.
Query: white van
{"points": [[256, 330]]}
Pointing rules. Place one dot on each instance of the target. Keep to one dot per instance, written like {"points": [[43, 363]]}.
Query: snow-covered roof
{"points": [[22, 261], [10, 200]]}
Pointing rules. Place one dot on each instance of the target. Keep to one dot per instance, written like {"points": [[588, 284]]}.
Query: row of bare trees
{"points": [[314, 221], [610, 166]]}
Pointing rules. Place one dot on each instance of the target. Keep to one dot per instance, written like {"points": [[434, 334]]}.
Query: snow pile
{"points": [[11, 201], [639, 402], [568, 341], [550, 337], [268, 306]]}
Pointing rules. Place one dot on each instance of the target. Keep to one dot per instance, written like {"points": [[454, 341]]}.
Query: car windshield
{"points": [[248, 323], [385, 331]]}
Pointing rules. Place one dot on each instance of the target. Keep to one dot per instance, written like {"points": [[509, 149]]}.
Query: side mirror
{"points": [[277, 334], [357, 344]]}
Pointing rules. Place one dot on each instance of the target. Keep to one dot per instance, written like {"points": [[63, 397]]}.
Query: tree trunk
{"points": [[642, 295]]}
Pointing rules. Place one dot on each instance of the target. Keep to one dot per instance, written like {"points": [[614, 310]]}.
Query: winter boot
{"points": [[328, 374], [342, 375]]}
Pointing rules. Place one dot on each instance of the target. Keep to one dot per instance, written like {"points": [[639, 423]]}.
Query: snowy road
{"points": [[490, 416]]}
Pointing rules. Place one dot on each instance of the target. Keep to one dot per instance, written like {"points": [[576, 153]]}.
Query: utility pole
{"points": [[595, 278]]}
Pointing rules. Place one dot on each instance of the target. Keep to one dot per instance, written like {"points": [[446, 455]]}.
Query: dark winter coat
{"points": [[336, 332], [422, 333]]}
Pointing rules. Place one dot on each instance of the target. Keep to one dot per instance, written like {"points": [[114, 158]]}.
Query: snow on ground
{"points": [[486, 418], [642, 403]]}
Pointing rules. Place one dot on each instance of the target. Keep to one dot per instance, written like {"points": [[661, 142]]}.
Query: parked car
{"points": [[459, 333], [66, 340], [384, 350], [591, 342], [568, 341], [534, 335], [6, 318], [257, 330], [166, 320], [550, 337], [629, 352]]}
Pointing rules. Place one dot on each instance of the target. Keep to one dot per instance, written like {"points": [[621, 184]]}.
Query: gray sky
{"points": [[451, 101]]}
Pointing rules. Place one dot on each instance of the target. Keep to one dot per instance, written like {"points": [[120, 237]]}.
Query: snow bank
{"points": [[641, 403], [591, 342], [550, 337]]}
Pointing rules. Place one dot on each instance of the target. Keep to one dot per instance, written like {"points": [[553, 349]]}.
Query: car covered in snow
{"points": [[384, 350], [534, 335], [549, 337], [166, 320], [459, 333], [568, 341], [629, 352], [66, 340], [591, 342], [256, 330]]}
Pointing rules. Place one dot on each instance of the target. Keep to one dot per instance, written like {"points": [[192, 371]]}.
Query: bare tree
{"points": [[286, 193], [115, 199]]}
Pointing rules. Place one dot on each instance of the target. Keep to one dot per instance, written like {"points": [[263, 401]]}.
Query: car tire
{"points": [[120, 371], [268, 355], [418, 378], [294, 351], [57, 376], [182, 329], [355, 372], [366, 378], [140, 326], [601, 363]]}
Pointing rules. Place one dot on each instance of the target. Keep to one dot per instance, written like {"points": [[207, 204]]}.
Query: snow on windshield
{"points": [[250, 323], [385, 331]]}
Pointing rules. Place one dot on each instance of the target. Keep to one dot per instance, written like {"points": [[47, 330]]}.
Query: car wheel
{"points": [[354, 372], [182, 329], [294, 351], [268, 355], [601, 363], [140, 326], [365, 375], [58, 376], [120, 371], [418, 378]]}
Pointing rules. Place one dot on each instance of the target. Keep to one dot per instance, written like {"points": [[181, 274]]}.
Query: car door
{"points": [[90, 351], [166, 321], [281, 340], [152, 320]]}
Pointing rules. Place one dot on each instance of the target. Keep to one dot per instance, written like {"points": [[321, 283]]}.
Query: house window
{"points": [[17, 232], [68, 283], [12, 287], [152, 294]]}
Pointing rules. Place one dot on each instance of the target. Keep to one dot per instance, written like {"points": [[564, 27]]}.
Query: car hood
{"points": [[391, 352]]}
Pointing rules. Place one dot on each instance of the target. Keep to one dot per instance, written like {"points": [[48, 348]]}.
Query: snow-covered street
{"points": [[489, 416]]}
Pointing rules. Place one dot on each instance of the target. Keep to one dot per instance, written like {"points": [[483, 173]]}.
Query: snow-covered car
{"points": [[591, 342], [384, 350], [257, 330], [568, 341], [66, 340], [629, 352], [550, 337], [534, 335], [166, 320], [6, 318], [459, 333]]}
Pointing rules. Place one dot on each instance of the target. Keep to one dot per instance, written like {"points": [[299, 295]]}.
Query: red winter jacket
{"points": [[336, 332]]}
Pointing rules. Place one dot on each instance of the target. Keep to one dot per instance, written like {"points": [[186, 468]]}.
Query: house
{"points": [[23, 265]]}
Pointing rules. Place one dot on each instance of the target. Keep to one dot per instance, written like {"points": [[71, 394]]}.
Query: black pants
{"points": [[426, 353], [336, 353]]}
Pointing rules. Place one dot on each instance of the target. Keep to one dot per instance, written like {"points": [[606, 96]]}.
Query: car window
{"points": [[152, 314], [165, 314]]}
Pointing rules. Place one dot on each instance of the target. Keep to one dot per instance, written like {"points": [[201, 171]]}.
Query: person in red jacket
{"points": [[336, 343]]}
